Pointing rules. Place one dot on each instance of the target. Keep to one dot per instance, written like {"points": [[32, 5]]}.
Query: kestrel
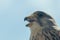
{"points": [[42, 26]]}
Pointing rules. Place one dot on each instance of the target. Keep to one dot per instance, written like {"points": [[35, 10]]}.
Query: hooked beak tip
{"points": [[25, 18]]}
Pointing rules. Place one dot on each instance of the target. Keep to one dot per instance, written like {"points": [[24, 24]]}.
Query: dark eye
{"points": [[41, 14]]}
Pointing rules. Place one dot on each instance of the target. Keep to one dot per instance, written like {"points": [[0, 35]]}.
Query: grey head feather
{"points": [[43, 17]]}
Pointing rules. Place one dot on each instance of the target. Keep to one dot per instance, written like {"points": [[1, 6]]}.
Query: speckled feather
{"points": [[46, 34]]}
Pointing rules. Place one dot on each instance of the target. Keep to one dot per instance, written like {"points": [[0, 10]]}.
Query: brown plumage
{"points": [[42, 26]]}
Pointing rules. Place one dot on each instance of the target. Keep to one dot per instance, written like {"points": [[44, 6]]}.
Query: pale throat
{"points": [[35, 28]]}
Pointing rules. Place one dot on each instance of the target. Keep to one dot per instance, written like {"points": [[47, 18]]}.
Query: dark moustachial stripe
{"points": [[39, 21]]}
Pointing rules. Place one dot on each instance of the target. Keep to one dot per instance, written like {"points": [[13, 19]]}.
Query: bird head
{"points": [[39, 19]]}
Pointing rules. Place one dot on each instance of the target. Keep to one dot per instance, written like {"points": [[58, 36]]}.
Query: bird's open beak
{"points": [[29, 20]]}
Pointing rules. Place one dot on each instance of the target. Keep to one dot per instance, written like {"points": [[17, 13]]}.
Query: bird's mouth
{"points": [[28, 24], [29, 21]]}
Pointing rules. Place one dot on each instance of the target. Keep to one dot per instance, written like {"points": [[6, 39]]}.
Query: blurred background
{"points": [[12, 13]]}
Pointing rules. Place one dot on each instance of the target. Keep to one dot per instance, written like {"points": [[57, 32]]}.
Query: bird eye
{"points": [[40, 13]]}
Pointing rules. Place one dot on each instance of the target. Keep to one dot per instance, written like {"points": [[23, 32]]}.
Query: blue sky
{"points": [[12, 13]]}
